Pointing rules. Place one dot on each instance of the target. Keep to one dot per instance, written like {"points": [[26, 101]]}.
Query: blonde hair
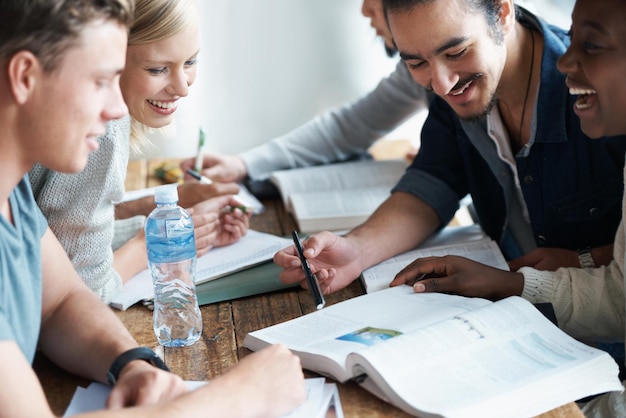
{"points": [[155, 20]]}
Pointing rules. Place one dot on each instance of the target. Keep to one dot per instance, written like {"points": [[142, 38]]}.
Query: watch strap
{"points": [[137, 353], [586, 259]]}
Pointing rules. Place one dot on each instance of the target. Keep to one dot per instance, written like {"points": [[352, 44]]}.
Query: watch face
{"points": [[585, 258]]}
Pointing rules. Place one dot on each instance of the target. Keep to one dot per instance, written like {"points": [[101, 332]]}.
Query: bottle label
{"points": [[173, 228]]}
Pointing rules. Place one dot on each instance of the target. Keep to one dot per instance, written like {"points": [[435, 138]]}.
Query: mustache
{"points": [[458, 85], [465, 81]]}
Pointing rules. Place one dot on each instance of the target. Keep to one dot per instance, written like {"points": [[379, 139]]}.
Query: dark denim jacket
{"points": [[572, 184]]}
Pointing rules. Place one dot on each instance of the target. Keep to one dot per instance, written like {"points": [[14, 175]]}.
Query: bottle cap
{"points": [[167, 193]]}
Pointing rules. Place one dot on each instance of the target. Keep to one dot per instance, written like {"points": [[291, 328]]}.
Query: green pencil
{"points": [[198, 165]]}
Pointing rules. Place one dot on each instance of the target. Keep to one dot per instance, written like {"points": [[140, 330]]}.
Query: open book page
{"points": [[451, 235], [343, 176], [252, 249], [505, 359], [93, 397], [321, 396], [246, 198], [335, 210], [454, 241], [323, 339]]}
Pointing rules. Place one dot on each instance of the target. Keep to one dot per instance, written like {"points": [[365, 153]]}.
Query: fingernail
{"points": [[419, 287]]}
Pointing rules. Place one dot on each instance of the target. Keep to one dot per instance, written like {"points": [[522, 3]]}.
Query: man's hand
{"points": [[268, 383], [140, 383], [333, 259]]}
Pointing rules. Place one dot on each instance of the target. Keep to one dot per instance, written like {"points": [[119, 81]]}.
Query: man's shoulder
{"points": [[24, 202], [554, 36], [558, 35]]}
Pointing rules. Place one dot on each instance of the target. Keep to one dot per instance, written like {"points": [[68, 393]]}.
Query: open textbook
{"points": [[467, 241], [321, 398], [252, 249], [336, 196], [436, 355]]}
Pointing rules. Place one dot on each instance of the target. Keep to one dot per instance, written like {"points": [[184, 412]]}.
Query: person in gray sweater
{"points": [[337, 135]]}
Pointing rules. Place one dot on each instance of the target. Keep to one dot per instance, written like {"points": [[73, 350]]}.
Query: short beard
{"points": [[477, 117], [481, 114]]}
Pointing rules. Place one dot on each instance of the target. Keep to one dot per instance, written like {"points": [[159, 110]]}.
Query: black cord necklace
{"points": [[530, 77]]}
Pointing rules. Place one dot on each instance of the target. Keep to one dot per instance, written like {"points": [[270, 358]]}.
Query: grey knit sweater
{"points": [[81, 212]]}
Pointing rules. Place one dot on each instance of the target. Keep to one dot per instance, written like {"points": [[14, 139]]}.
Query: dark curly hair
{"points": [[490, 8]]}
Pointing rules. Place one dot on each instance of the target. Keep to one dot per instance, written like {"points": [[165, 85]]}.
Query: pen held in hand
{"points": [[313, 283], [202, 179], [198, 163]]}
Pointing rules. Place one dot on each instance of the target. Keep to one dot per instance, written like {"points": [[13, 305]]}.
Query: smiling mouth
{"points": [[458, 92], [584, 95], [162, 105], [461, 86]]}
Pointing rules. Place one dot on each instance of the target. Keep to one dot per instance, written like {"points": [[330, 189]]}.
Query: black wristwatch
{"points": [[139, 353], [585, 258]]}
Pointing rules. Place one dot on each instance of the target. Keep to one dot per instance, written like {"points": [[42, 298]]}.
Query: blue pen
{"points": [[314, 285]]}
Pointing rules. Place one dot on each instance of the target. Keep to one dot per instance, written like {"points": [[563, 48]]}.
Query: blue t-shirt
{"points": [[20, 271]]}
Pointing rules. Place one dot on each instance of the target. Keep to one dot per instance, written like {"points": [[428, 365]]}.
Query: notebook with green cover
{"points": [[259, 279]]}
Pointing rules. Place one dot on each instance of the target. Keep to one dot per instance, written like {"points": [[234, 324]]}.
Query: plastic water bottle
{"points": [[172, 261]]}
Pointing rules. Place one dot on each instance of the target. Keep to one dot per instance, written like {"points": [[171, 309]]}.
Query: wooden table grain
{"points": [[225, 325]]}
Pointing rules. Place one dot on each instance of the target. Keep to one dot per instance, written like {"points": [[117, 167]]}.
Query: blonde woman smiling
{"points": [[161, 60]]}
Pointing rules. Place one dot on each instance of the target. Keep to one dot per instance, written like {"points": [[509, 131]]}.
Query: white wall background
{"points": [[268, 66]]}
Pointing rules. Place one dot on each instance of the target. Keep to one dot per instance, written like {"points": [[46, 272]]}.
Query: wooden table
{"points": [[225, 325]]}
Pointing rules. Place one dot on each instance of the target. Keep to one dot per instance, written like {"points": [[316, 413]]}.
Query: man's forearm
{"points": [[84, 336], [78, 331], [400, 224]]}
